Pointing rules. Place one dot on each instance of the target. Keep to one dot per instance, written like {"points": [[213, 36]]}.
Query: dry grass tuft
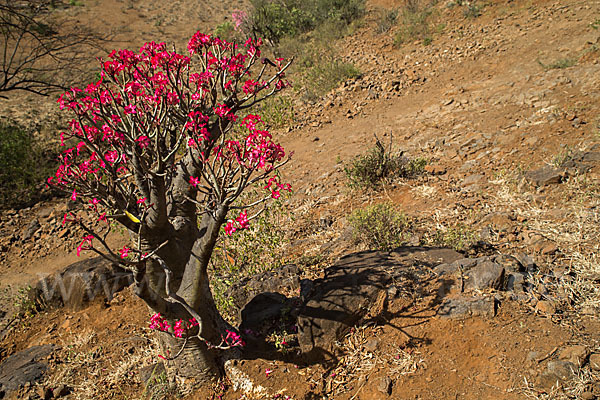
{"points": [[358, 363], [572, 389], [91, 372]]}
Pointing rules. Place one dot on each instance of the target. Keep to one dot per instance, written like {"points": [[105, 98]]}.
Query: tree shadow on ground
{"points": [[356, 290]]}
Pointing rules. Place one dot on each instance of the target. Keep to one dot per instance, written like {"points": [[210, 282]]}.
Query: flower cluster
{"points": [[276, 187], [129, 125], [241, 222], [182, 328]]}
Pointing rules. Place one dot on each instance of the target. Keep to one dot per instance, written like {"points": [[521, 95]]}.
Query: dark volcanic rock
{"points": [[484, 275], [82, 282], [544, 176], [27, 366], [285, 279], [467, 306], [357, 286], [262, 309]]}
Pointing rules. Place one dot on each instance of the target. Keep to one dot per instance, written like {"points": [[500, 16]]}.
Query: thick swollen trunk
{"points": [[186, 255], [194, 360]]}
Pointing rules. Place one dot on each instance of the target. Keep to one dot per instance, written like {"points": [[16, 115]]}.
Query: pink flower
{"points": [[178, 329], [141, 201], [242, 220], [143, 141], [111, 156], [124, 252], [86, 244], [74, 195], [130, 109], [268, 372], [230, 228], [194, 181]]}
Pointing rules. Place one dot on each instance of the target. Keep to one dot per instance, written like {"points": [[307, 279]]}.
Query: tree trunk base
{"points": [[196, 364]]}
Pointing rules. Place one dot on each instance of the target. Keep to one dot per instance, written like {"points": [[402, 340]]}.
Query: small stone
{"points": [[45, 393], [435, 169], [549, 248], [60, 391], [565, 370], [533, 355], [587, 396], [546, 307], [472, 179], [372, 345], [385, 385], [575, 354], [486, 274], [526, 261], [465, 307], [544, 176], [595, 361]]}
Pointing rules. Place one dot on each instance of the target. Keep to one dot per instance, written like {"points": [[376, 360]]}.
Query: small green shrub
{"points": [[558, 64], [380, 165], [380, 227], [24, 167], [415, 24], [386, 19], [275, 19], [472, 10], [226, 31], [248, 252], [327, 75], [276, 112], [563, 157], [459, 237]]}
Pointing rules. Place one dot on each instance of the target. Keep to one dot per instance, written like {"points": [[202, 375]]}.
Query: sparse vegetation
{"points": [[255, 250], [558, 64], [226, 31], [459, 237], [386, 20], [415, 24], [24, 166], [324, 76], [380, 165], [561, 158], [305, 30], [380, 227], [472, 10], [276, 19], [277, 112]]}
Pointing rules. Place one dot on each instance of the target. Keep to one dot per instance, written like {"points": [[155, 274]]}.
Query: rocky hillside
{"points": [[495, 291]]}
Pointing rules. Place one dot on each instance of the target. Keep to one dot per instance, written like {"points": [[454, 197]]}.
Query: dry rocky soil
{"points": [[512, 142]]}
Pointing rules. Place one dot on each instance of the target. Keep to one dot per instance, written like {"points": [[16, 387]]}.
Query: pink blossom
{"points": [[130, 109], [143, 141], [124, 252], [111, 156], [86, 244], [242, 220], [74, 195], [194, 181], [230, 228]]}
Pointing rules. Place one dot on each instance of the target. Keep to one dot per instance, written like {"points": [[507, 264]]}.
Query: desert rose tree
{"points": [[159, 149]]}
